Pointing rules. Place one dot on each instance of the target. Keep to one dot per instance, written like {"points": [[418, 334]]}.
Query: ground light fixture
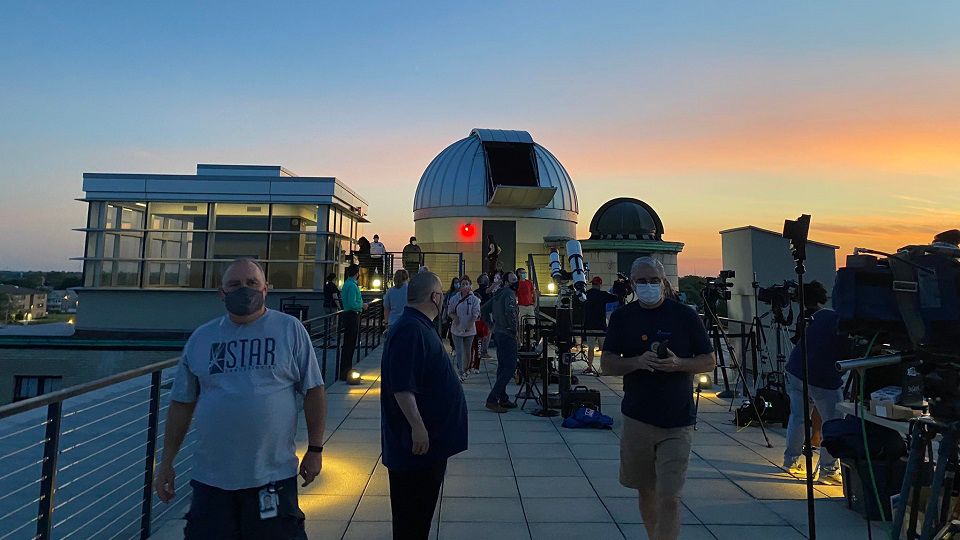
{"points": [[377, 283], [551, 287], [353, 377], [704, 380]]}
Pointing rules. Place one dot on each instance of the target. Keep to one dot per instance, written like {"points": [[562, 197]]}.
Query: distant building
{"points": [[622, 230], [25, 304], [62, 301], [157, 244], [500, 183]]}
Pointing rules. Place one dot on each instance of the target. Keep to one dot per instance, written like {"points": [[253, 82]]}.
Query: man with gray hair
{"points": [[658, 408], [423, 413], [239, 376]]}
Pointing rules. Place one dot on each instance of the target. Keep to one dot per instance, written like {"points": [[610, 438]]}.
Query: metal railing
{"points": [[79, 462], [327, 332], [446, 265]]}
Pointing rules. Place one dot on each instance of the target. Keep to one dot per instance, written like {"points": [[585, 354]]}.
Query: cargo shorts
{"points": [[652, 456]]}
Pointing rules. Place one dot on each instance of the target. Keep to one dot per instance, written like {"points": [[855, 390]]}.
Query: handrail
{"points": [[80, 389], [335, 313]]}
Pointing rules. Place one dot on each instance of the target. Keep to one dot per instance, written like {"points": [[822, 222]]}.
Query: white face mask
{"points": [[648, 293]]}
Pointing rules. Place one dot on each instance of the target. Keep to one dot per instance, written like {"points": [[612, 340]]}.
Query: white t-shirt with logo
{"points": [[244, 380]]}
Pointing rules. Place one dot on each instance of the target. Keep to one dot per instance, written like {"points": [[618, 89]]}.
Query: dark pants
{"points": [[492, 266], [351, 336], [221, 514], [413, 500], [506, 366]]}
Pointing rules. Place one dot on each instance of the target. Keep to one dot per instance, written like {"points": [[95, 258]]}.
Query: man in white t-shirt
{"points": [[238, 381], [377, 251]]}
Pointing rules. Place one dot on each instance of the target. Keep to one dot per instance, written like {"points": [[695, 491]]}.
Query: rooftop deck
{"points": [[526, 477]]}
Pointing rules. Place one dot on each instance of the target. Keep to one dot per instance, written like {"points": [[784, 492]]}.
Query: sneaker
{"points": [[796, 467], [476, 370], [508, 405], [830, 476], [496, 407]]}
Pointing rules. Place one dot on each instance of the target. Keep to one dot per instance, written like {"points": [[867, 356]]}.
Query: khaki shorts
{"points": [[652, 456]]}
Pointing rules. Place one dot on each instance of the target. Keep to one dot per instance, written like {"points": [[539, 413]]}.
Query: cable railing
{"points": [[328, 334], [79, 462]]}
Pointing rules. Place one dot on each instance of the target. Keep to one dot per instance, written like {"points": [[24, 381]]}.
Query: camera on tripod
{"points": [[781, 295]]}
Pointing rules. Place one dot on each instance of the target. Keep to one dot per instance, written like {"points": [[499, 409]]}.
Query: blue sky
{"points": [[676, 104]]}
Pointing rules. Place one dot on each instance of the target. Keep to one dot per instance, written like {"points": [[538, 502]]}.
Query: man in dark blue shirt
{"points": [[423, 410], [658, 408], [825, 345]]}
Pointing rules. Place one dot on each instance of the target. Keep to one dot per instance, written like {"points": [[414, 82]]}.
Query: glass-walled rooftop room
{"points": [[134, 244]]}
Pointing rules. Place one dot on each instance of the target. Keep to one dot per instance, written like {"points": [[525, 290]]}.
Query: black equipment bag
{"points": [[777, 405], [579, 396]]}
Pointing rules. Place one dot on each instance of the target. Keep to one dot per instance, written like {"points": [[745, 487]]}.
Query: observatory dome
{"points": [[626, 218]]}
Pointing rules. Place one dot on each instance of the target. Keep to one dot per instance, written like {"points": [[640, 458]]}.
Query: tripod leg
{"points": [[911, 477], [932, 515]]}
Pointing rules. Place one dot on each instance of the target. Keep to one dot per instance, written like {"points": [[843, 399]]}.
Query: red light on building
{"points": [[467, 230]]}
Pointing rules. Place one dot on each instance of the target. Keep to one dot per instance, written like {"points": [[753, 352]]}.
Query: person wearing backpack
{"points": [[464, 311]]}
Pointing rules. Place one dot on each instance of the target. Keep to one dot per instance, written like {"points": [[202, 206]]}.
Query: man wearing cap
{"points": [[595, 320], [658, 408]]}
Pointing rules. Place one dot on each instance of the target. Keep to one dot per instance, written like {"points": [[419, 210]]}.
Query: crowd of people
{"points": [[253, 363]]}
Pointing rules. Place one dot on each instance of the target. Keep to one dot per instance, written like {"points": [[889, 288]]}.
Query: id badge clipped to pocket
{"points": [[269, 501]]}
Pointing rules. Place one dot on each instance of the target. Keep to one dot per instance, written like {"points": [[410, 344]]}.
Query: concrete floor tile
{"points": [[581, 510], [480, 486], [484, 451], [355, 436], [485, 437], [329, 507], [547, 467], [830, 514], [479, 467], [555, 486], [711, 489], [341, 477], [590, 436], [483, 531], [687, 532], [627, 510], [326, 529], [544, 425], [546, 437], [611, 487], [596, 451], [359, 530], [736, 512], [486, 509], [553, 531], [600, 468], [373, 508], [379, 484], [537, 450], [754, 532]]}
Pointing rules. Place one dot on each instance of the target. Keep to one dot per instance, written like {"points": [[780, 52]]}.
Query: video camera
{"points": [[719, 286], [779, 295], [909, 302]]}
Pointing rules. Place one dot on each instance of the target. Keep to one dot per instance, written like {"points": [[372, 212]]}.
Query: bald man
{"points": [[239, 376]]}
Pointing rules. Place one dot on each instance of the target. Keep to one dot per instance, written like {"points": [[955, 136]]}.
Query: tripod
{"points": [[733, 357], [922, 431]]}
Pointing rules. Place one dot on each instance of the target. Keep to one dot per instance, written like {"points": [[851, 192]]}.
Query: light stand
{"points": [[796, 232]]}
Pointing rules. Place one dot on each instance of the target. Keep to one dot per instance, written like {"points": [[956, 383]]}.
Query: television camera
{"points": [[779, 297]]}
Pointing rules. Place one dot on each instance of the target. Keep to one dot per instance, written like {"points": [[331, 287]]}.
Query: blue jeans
{"points": [[506, 366], [826, 401]]}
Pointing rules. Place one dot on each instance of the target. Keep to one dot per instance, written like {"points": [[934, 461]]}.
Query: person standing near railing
{"points": [[239, 376], [377, 251], [395, 299], [352, 307], [464, 310]]}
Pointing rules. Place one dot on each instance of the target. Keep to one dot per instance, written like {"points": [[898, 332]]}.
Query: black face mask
{"points": [[243, 301], [515, 286]]}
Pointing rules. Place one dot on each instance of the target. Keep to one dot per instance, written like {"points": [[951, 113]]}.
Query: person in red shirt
{"points": [[526, 295]]}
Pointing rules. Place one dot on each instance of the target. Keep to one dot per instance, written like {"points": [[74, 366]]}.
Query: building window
{"points": [[28, 386]]}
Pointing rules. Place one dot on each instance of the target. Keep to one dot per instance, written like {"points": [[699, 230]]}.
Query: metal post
{"points": [[339, 343], [153, 418], [325, 343], [48, 478]]}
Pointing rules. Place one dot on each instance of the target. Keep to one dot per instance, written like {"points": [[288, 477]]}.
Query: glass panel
{"points": [[91, 249], [176, 245], [106, 273], [214, 272], [242, 217], [52, 384], [294, 217], [287, 246], [110, 241], [178, 216], [125, 215], [27, 387], [89, 273], [178, 274], [291, 275], [111, 217], [94, 219], [128, 274], [129, 247], [237, 245]]}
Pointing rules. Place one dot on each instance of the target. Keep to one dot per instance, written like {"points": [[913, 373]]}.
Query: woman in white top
{"points": [[464, 310]]}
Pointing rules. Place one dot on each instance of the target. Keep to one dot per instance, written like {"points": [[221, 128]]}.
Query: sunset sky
{"points": [[718, 114]]}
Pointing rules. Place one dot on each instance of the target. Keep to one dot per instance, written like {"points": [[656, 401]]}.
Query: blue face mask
{"points": [[648, 293], [456, 286]]}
